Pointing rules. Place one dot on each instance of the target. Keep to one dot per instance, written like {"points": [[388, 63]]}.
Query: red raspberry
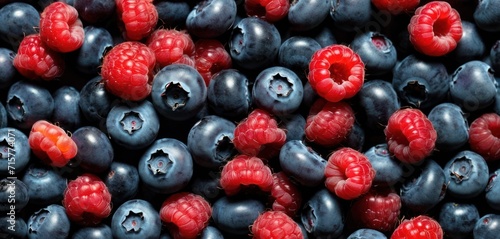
{"points": [[420, 227], [275, 225], [171, 46], [348, 173], [329, 123], [60, 27], [127, 70], [35, 60], [379, 209], [336, 72], [269, 10], [286, 195], [87, 200], [244, 170], [484, 136], [259, 135], [139, 18], [185, 214], [396, 7], [51, 144], [435, 29], [410, 135], [210, 58]]}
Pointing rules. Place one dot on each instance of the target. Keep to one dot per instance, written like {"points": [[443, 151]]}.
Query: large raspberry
{"points": [[484, 136], [60, 27], [275, 225], [286, 195], [420, 227], [210, 58], [171, 46], [139, 18], [269, 10], [51, 144]]}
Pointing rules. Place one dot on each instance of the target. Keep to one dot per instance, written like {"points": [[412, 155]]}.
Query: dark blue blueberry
{"points": [[487, 16], [295, 54], [377, 100], [19, 19], [366, 233], [254, 43], [458, 219], [101, 231], [172, 13], [424, 188], [3, 116], [388, 170], [376, 51], [305, 15], [451, 126], [166, 166], [487, 227], [45, 185], [211, 232], [179, 92], [15, 152], [67, 112], [324, 35], [13, 195], [50, 222], [211, 18], [466, 174], [95, 101], [94, 11], [8, 72], [133, 125], [470, 47], [322, 215], [302, 164], [136, 219], [348, 18], [496, 104], [122, 181], [494, 57], [294, 126], [13, 227], [28, 102], [96, 42], [493, 190], [206, 185], [228, 94], [95, 152], [235, 215]]}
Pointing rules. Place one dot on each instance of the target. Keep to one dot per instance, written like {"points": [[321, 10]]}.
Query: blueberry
{"points": [[166, 166], [302, 164], [206, 185], [95, 152], [294, 125], [45, 185], [235, 215], [322, 215], [471, 46], [451, 126], [356, 138], [97, 41], [3, 116], [487, 227], [49, 222], [122, 181], [173, 14], [211, 18], [136, 219], [94, 11], [486, 15], [100, 231], [211, 232], [13, 195], [228, 94], [179, 92], [348, 18], [20, 19], [15, 153], [12, 227], [458, 219], [95, 101], [8, 72], [295, 54], [492, 194], [377, 101], [466, 174], [254, 43], [376, 51], [324, 35], [366, 233], [305, 15], [388, 170], [66, 108]]}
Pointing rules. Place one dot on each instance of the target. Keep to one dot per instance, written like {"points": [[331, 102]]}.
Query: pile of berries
{"points": [[259, 119]]}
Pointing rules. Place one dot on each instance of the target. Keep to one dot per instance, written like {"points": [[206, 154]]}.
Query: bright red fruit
{"points": [[329, 123], [51, 144], [435, 29], [60, 27], [128, 69], [210, 58], [87, 200], [420, 227], [349, 174], [139, 18], [185, 214], [336, 72], [269, 10], [286, 195], [171, 46], [35, 60], [275, 225], [396, 7], [410, 135], [484, 136], [244, 170]]}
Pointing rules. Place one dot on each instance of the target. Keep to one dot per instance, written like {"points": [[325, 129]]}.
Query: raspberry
{"points": [[348, 173], [139, 18], [35, 60], [286, 195], [244, 170], [127, 70], [51, 144], [210, 58], [171, 46], [329, 123], [336, 72], [60, 27], [396, 7], [259, 135], [269, 10], [435, 29], [87, 200], [410, 135], [185, 214], [275, 225], [484, 136], [378, 209], [420, 227]]}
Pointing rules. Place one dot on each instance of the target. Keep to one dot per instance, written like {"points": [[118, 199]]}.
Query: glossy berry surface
{"points": [[95, 152], [286, 195], [122, 181], [139, 18], [50, 220], [451, 126], [418, 227], [136, 219], [228, 94], [466, 174], [45, 185], [388, 170], [243, 171], [235, 216], [458, 219], [396, 7], [302, 164], [487, 226], [171, 46], [484, 136], [269, 10], [212, 18], [14, 145], [275, 224], [321, 221], [376, 51], [24, 17], [211, 57], [60, 27], [379, 209]]}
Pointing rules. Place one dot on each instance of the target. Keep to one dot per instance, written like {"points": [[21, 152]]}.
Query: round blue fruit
{"points": [[15, 153], [45, 185], [235, 215], [458, 219], [211, 18], [95, 151], [302, 164], [228, 94], [487, 227], [50, 222], [136, 219], [466, 174], [322, 215], [67, 112]]}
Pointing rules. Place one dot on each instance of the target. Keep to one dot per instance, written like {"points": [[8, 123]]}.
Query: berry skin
{"points": [[336, 72], [435, 29], [396, 7], [171, 46], [484, 136], [35, 60], [269, 10], [410, 135], [244, 170], [51, 144], [286, 195], [139, 18], [60, 27], [210, 58], [185, 214], [420, 227], [329, 123], [87, 200], [349, 173], [127, 70], [275, 225]]}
